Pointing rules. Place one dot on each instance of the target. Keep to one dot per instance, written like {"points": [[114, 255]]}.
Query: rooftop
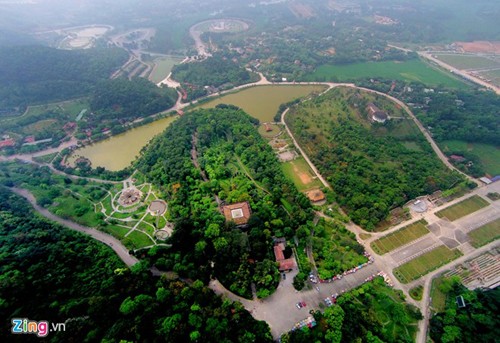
{"points": [[238, 213]]}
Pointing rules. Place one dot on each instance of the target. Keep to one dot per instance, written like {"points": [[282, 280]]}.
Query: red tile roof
{"points": [[238, 213]]}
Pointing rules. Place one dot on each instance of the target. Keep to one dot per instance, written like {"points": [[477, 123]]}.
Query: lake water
{"points": [[117, 152], [262, 102]]}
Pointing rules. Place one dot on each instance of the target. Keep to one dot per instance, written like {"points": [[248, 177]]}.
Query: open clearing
{"points": [[485, 234], [302, 176], [413, 70], [489, 155], [263, 102], [400, 237], [163, 67], [461, 61], [425, 263], [463, 208]]}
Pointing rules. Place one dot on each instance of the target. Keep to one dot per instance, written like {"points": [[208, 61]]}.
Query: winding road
{"points": [[109, 240]]}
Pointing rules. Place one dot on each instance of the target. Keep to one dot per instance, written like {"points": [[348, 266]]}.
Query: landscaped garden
{"points": [[463, 208], [400, 237]]}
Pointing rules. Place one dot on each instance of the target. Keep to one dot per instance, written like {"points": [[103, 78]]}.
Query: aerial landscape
{"points": [[250, 171]]}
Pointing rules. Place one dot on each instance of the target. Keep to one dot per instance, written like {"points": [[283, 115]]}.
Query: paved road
{"points": [[428, 55], [279, 310], [425, 303], [112, 242]]}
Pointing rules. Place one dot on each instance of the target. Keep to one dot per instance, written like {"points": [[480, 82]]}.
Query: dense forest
{"points": [[477, 322], [218, 72], [373, 313], [36, 74], [217, 155], [51, 273], [125, 99], [372, 167]]}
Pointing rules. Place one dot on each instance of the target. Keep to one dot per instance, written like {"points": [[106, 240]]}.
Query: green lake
{"points": [[262, 102], [117, 152]]}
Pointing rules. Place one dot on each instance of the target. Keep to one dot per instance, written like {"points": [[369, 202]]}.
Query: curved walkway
{"points": [[109, 240]]}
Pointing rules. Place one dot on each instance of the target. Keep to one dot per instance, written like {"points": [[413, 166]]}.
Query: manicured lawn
{"points": [[413, 70], [137, 240], [425, 263], [463, 208], [417, 292], [485, 234], [301, 174], [438, 301], [400, 237], [163, 67], [116, 231], [489, 155]]}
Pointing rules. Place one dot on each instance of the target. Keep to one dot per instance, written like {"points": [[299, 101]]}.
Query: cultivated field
{"points": [[413, 70], [463, 208], [461, 61], [425, 263], [302, 176], [489, 155], [400, 237], [493, 75], [485, 234]]}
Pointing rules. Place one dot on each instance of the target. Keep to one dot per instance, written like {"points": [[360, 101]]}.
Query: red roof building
{"points": [[7, 142], [285, 264], [238, 213]]}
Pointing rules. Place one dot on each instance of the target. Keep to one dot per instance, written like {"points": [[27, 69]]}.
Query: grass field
{"points": [[137, 240], [425, 263], [489, 155], [302, 176], [463, 208], [485, 234], [400, 237], [263, 102], [163, 67], [413, 70], [438, 301], [467, 61], [493, 75]]}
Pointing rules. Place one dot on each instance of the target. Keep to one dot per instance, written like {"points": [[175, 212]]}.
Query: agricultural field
{"points": [[409, 71], [485, 234], [400, 237], [488, 155], [163, 67], [425, 263], [301, 174], [463, 208], [468, 61], [262, 102], [493, 75], [42, 122]]}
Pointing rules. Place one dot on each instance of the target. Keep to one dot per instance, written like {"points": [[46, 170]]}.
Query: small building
{"points": [[286, 264], [7, 142], [485, 180], [375, 114], [238, 213], [316, 196], [457, 158], [460, 301]]}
